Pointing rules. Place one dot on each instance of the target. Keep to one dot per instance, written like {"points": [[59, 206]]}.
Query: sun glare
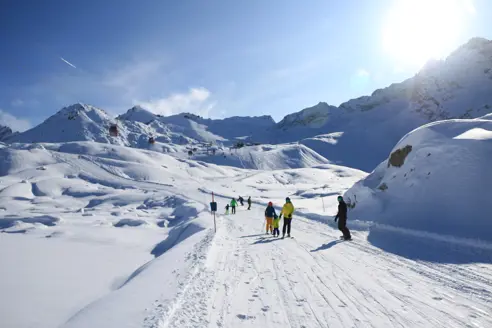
{"points": [[417, 30]]}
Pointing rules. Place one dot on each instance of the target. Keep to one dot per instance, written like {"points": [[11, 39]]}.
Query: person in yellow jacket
{"points": [[276, 225], [287, 212]]}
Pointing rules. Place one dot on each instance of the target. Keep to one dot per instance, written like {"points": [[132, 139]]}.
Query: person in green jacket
{"points": [[233, 205]]}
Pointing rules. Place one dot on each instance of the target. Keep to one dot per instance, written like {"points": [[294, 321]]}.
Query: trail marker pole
{"points": [[322, 200], [213, 207]]}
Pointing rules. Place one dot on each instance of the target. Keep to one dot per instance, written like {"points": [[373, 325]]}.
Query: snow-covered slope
{"points": [[444, 185], [266, 157], [99, 235], [458, 87]]}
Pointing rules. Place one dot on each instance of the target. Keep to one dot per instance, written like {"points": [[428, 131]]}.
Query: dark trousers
{"points": [[249, 206], [276, 232], [342, 226], [233, 209], [287, 223]]}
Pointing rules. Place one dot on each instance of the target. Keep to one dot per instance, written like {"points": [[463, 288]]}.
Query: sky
{"points": [[218, 58]]}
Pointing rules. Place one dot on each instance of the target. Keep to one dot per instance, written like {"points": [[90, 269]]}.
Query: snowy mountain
{"points": [[437, 179], [265, 157], [367, 127], [358, 133]]}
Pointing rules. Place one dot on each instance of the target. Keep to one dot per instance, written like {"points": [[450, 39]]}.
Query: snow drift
{"points": [[437, 179]]}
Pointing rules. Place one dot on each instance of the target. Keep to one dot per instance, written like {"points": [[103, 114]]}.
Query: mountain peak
{"points": [[138, 114]]}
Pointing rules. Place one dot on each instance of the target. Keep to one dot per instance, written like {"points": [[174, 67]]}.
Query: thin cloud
{"points": [[69, 63], [17, 102], [194, 101], [16, 124]]}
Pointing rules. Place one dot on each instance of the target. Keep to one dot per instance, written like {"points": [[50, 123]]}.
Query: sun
{"points": [[415, 31]]}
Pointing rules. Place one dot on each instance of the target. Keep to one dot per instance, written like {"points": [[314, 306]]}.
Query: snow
{"points": [[266, 157], [99, 235], [443, 186]]}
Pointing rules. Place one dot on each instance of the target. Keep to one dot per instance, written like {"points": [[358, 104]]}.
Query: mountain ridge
{"points": [[459, 86]]}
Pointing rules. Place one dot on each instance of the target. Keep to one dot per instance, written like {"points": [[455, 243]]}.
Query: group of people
{"points": [[273, 220], [234, 203]]}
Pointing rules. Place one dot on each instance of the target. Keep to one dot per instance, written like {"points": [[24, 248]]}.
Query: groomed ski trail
{"points": [[250, 279]]}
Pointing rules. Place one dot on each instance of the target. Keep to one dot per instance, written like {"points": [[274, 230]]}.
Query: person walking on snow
{"points": [[276, 224], [241, 200], [233, 206], [227, 209], [287, 212], [269, 215], [342, 219], [249, 203]]}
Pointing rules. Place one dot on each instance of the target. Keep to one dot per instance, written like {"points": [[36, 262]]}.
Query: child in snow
{"points": [[227, 209], [276, 224], [233, 205], [249, 203], [269, 215]]}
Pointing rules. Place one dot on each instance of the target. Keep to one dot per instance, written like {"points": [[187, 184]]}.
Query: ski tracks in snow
{"points": [[242, 277]]}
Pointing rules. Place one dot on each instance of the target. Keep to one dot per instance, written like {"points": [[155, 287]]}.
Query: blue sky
{"points": [[216, 58]]}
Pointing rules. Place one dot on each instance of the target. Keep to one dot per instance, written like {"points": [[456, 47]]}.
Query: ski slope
{"points": [[241, 277], [98, 235]]}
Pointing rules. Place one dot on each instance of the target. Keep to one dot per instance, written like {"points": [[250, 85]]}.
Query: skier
{"points": [[233, 206], [227, 209], [276, 224], [241, 200], [342, 216], [269, 215], [249, 203], [287, 212]]}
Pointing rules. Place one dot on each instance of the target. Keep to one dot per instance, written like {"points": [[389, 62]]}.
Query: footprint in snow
{"points": [[245, 317]]}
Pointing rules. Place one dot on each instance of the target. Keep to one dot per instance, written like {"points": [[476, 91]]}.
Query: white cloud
{"points": [[16, 124], [194, 101]]}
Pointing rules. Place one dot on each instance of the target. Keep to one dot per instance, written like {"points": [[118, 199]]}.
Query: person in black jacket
{"points": [[249, 203], [342, 218]]}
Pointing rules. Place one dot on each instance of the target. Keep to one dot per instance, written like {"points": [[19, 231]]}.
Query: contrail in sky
{"points": [[69, 63]]}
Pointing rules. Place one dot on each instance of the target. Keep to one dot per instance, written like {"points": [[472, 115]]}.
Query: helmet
{"points": [[270, 204], [287, 200], [340, 198]]}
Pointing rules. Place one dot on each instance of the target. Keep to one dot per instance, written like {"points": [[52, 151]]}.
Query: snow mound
{"points": [[443, 186], [267, 157]]}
